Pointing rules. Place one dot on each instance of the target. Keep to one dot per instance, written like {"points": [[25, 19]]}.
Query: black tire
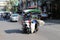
{"points": [[24, 28], [28, 30], [10, 20], [36, 27], [24, 31]]}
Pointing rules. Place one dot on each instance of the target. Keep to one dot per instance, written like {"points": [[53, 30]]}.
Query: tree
{"points": [[35, 1], [8, 6], [12, 5]]}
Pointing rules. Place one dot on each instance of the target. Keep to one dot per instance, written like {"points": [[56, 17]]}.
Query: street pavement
{"points": [[13, 31]]}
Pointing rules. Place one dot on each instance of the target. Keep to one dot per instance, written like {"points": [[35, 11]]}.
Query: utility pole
{"points": [[37, 4], [26, 3]]}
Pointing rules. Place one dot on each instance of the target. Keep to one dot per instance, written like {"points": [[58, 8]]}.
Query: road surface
{"points": [[13, 31]]}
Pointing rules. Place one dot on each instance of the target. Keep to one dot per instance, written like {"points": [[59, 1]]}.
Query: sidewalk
{"points": [[53, 21]]}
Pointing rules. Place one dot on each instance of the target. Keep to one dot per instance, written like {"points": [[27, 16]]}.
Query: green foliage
{"points": [[12, 5]]}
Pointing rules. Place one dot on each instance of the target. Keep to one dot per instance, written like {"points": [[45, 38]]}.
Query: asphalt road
{"points": [[13, 31]]}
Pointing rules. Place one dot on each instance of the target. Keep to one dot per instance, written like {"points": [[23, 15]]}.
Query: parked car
{"points": [[44, 16], [14, 17], [6, 15], [29, 25], [1, 12]]}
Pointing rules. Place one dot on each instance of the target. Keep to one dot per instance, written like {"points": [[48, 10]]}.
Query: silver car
{"points": [[14, 17]]}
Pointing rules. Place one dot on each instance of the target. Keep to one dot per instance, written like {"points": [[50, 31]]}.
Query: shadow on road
{"points": [[1, 19], [14, 31]]}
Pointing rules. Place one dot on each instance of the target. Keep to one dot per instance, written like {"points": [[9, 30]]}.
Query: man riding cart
{"points": [[30, 22], [29, 25]]}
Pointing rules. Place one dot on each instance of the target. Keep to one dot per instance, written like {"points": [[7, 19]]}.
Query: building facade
{"points": [[3, 4]]}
